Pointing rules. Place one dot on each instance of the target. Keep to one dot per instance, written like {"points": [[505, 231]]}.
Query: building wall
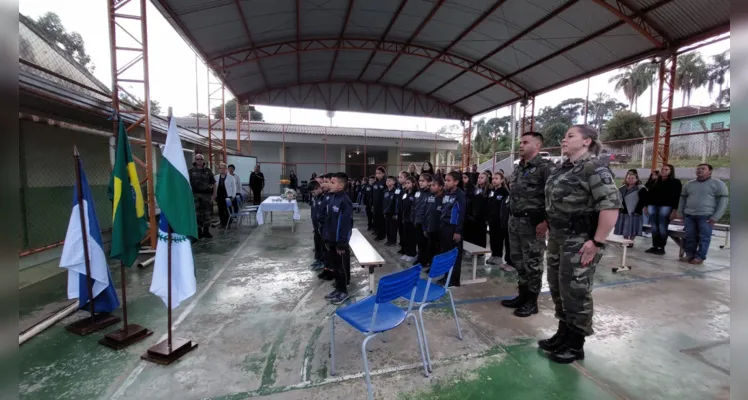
{"points": [[718, 120]]}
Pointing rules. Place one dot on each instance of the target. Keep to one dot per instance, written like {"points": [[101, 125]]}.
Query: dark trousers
{"points": [[318, 254], [256, 195], [435, 247], [379, 225], [400, 229], [422, 245], [390, 228], [223, 211], [447, 242], [698, 236], [369, 218], [468, 231], [340, 268], [479, 233], [499, 239], [410, 235]]}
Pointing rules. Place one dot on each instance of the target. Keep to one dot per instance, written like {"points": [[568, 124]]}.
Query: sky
{"points": [[173, 73]]}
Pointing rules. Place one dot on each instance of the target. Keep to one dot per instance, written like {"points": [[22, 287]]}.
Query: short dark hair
{"points": [[411, 178], [428, 177], [438, 180], [536, 135], [341, 177], [392, 177], [328, 175], [456, 176], [372, 177], [232, 166], [312, 185], [705, 164], [381, 168]]}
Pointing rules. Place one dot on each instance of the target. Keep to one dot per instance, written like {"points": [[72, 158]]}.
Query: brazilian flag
{"points": [[129, 224]]}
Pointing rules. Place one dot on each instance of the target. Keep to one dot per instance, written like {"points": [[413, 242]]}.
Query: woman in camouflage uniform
{"points": [[582, 204]]}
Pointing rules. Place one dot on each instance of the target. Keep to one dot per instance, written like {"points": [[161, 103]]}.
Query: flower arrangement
{"points": [[285, 182], [289, 194]]}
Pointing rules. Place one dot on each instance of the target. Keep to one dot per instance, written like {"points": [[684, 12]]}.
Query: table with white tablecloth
{"points": [[271, 205]]}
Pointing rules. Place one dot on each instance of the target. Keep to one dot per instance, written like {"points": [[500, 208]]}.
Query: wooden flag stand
{"points": [[169, 350], [97, 321], [130, 333]]}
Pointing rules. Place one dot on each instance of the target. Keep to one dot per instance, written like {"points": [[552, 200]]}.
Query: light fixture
{"points": [[405, 154], [357, 152]]}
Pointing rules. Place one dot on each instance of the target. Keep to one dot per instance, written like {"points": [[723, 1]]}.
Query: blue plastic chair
{"points": [[428, 291], [233, 215], [376, 314]]}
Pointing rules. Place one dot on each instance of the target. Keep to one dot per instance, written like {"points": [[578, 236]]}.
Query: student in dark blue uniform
{"points": [[390, 212], [399, 190], [498, 217], [327, 274], [378, 189], [337, 233], [316, 191], [419, 214], [368, 202], [431, 220], [452, 223], [409, 230]]}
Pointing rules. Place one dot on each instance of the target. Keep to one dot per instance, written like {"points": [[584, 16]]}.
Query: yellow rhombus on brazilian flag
{"points": [[128, 210]]}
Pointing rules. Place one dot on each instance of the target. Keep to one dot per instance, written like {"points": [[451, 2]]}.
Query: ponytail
{"points": [[589, 132]]}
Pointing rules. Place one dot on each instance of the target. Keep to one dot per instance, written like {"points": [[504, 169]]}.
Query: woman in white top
{"points": [[225, 188]]}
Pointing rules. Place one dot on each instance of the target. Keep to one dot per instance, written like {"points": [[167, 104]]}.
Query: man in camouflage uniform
{"points": [[528, 223], [202, 181], [578, 195]]}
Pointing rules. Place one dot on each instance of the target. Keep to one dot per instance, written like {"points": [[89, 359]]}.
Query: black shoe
{"points": [[442, 282], [390, 244], [651, 250], [207, 234], [331, 295], [530, 307], [660, 252], [554, 342], [517, 301], [379, 239], [571, 350]]}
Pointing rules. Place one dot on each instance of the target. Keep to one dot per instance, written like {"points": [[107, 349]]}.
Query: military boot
{"points": [[554, 342], [517, 301], [571, 350], [530, 306]]}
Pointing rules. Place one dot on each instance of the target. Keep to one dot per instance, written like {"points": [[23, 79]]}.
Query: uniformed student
{"points": [[419, 215], [202, 182], [452, 223], [368, 202], [582, 203], [378, 190], [432, 221], [528, 223], [337, 233], [316, 190], [399, 190], [328, 272], [480, 209], [469, 189], [498, 198], [409, 231], [390, 212]]}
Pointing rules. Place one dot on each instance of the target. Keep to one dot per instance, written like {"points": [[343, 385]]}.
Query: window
{"points": [[718, 125]]}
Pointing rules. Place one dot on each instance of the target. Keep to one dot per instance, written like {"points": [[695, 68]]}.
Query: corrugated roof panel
{"points": [[369, 18], [497, 94], [413, 14], [431, 78], [324, 21], [350, 64], [451, 20], [378, 64], [403, 69], [623, 41], [682, 18], [474, 104], [461, 87]]}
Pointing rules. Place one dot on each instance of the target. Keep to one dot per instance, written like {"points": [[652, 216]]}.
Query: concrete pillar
{"points": [[393, 160]]}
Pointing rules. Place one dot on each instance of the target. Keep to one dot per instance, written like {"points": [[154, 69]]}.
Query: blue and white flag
{"points": [[73, 257]]}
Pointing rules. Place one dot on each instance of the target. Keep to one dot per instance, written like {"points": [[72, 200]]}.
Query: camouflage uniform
{"points": [[202, 181], [527, 204], [574, 194]]}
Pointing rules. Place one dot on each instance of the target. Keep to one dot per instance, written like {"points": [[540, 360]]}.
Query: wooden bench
{"points": [[366, 255], [676, 231], [475, 251], [617, 239]]}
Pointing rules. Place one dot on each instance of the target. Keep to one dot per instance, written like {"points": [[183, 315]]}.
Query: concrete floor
{"points": [[262, 325]]}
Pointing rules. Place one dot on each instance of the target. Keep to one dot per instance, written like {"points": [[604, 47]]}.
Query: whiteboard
{"points": [[244, 166]]}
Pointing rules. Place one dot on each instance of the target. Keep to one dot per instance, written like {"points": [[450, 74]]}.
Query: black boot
{"points": [[554, 342], [571, 350], [206, 233], [517, 301], [530, 306]]}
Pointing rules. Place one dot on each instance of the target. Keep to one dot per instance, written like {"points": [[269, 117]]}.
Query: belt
{"points": [[527, 213]]}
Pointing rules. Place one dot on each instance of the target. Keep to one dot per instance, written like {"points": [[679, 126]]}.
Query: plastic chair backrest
{"points": [[397, 285], [239, 198], [442, 263], [230, 207]]}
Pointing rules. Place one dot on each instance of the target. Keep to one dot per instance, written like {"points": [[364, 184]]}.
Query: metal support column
{"points": [[134, 47], [238, 129], [223, 121], [217, 103], [664, 116], [528, 120]]}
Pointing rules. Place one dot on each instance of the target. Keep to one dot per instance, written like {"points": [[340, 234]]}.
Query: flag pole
{"points": [[86, 326], [168, 274]]}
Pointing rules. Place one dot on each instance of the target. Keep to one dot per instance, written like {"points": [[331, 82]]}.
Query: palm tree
{"points": [[691, 74], [634, 81], [717, 69]]}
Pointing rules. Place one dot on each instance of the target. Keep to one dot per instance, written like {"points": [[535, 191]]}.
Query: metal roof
{"points": [[434, 58], [318, 130]]}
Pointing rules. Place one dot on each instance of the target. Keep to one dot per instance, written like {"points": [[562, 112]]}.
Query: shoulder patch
{"points": [[577, 169], [604, 174]]}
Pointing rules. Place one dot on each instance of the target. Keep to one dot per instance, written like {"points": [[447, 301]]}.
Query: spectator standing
{"points": [[662, 205]]}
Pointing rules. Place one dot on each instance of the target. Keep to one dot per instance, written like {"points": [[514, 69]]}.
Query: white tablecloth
{"points": [[284, 206]]}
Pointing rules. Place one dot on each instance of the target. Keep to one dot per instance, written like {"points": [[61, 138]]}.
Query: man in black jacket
{"points": [[378, 190], [256, 183]]}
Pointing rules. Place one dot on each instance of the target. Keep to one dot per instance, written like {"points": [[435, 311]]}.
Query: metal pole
{"points": [[197, 101], [587, 101], [147, 122], [79, 194], [223, 119], [210, 123], [513, 131], [238, 129], [168, 268], [400, 152], [325, 149]]}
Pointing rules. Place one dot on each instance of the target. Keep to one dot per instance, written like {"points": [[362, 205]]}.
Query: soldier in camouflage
{"points": [[582, 204], [202, 181], [528, 223]]}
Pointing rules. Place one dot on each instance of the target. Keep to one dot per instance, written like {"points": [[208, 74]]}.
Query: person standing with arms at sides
{"points": [[703, 201], [293, 180], [322, 211], [378, 189], [634, 199], [452, 224], [528, 223], [582, 203], [497, 200], [389, 211], [368, 202], [480, 209], [467, 186], [399, 190], [431, 220], [202, 182], [337, 233], [256, 184], [237, 184], [409, 229], [225, 189], [664, 196], [316, 190], [473, 174], [419, 216]]}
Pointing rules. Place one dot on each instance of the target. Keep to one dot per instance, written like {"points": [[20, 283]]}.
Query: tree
{"points": [[602, 108], [554, 133], [691, 73], [723, 100], [71, 43], [566, 112], [626, 125], [137, 103], [716, 71], [634, 80], [197, 115], [245, 110]]}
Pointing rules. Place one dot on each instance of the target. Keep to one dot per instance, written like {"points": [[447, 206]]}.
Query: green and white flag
{"points": [[174, 196]]}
